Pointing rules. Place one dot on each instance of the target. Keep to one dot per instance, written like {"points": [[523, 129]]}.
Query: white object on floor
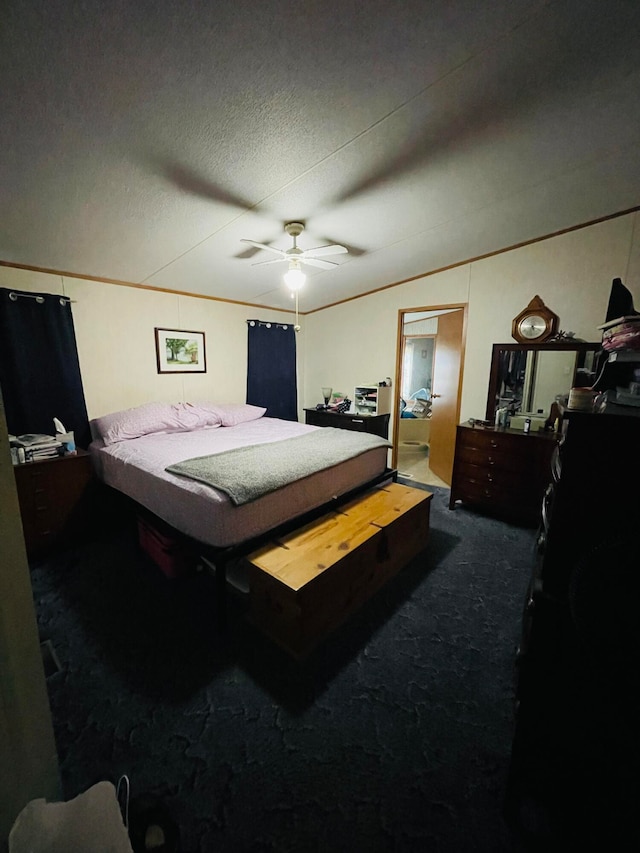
{"points": [[91, 823]]}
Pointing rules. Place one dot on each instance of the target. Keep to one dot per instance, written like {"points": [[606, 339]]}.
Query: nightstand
{"points": [[374, 424], [51, 493]]}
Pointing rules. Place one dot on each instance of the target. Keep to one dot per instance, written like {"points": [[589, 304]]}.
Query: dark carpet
{"points": [[395, 735]]}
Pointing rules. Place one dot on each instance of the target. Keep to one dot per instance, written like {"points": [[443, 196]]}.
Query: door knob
{"points": [[435, 395]]}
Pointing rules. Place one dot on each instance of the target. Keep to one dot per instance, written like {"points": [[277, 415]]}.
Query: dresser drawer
{"points": [[499, 496], [489, 442], [487, 474], [498, 458]]}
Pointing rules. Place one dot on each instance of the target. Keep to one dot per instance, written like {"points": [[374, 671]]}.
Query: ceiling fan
{"points": [[296, 256]]}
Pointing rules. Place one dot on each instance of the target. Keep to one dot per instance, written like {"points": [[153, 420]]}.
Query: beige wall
{"points": [[116, 343], [572, 273], [355, 343], [348, 344]]}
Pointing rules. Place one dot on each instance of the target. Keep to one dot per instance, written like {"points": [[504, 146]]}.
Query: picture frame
{"points": [[180, 351]]}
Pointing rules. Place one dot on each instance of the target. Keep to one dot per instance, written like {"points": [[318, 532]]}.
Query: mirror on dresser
{"points": [[527, 378], [505, 470]]}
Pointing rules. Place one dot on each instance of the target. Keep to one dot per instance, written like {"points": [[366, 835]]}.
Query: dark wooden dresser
{"points": [[374, 424], [50, 493], [573, 782], [503, 472]]}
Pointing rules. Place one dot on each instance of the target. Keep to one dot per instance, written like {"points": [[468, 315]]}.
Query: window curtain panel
{"points": [[271, 369], [39, 368]]}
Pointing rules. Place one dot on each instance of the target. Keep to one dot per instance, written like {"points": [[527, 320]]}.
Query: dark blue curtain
{"points": [[271, 369], [39, 367]]}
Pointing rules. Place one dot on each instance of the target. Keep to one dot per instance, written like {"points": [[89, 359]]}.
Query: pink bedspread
{"points": [[137, 468]]}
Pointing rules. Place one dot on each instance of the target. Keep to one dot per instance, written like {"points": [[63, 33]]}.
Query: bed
{"points": [[131, 451]]}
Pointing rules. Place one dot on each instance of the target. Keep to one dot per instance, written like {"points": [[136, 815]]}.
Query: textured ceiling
{"points": [[140, 141]]}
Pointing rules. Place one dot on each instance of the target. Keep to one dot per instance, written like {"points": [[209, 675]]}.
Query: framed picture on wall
{"points": [[178, 351]]}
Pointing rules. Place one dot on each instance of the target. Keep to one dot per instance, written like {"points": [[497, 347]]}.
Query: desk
{"points": [[374, 424]]}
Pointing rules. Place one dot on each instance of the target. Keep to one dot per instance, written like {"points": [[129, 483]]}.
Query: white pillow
{"points": [[205, 413], [149, 418], [232, 414]]}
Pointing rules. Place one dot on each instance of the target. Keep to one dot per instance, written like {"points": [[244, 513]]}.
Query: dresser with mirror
{"points": [[504, 470]]}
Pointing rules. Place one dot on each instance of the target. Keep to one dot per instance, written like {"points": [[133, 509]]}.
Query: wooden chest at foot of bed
{"points": [[307, 583]]}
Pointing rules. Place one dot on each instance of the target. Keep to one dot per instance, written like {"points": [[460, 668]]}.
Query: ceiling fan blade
{"points": [[274, 261], [280, 252], [324, 265], [325, 250]]}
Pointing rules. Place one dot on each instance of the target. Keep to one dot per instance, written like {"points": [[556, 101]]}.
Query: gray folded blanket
{"points": [[247, 473]]}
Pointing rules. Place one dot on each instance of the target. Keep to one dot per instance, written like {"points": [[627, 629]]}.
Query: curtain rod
{"points": [[13, 296], [268, 324]]}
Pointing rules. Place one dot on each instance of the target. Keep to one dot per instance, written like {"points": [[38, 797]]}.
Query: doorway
{"points": [[429, 363]]}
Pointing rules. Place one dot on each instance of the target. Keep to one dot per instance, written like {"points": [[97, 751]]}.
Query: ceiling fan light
{"points": [[294, 278]]}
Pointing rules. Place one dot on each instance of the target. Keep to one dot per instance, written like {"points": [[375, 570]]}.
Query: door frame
{"points": [[436, 309]]}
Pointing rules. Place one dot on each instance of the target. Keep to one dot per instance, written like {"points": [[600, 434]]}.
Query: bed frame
{"points": [[217, 559]]}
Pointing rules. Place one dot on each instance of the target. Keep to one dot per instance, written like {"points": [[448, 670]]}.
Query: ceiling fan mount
{"points": [[294, 229]]}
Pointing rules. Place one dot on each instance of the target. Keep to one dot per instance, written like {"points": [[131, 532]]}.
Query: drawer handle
{"points": [[493, 443], [547, 500], [542, 541], [357, 421]]}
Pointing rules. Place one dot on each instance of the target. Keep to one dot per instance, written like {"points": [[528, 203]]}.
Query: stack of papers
{"points": [[38, 445]]}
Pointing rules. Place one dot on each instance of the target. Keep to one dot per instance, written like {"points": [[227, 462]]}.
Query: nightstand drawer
{"points": [[359, 424]]}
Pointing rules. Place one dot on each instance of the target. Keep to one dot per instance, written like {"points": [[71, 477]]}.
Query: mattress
{"points": [[136, 467]]}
